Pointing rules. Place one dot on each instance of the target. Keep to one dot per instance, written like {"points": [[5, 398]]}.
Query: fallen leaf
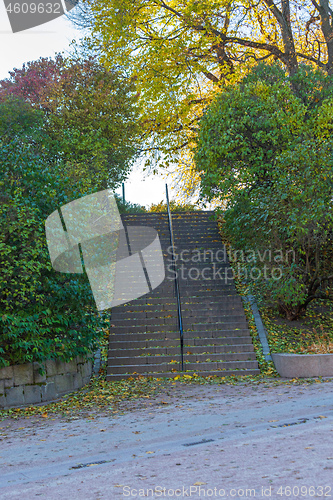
{"points": [[199, 483]]}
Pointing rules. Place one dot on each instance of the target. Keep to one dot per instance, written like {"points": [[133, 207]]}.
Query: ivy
{"points": [[43, 314]]}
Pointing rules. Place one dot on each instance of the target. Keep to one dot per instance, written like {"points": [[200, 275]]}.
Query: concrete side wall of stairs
{"points": [[144, 336]]}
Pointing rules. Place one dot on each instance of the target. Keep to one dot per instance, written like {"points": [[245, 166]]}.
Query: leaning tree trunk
{"points": [[289, 57]]}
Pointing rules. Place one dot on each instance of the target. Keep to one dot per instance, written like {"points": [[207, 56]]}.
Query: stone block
{"points": [[86, 369], [3, 403], [52, 367], [6, 372], [64, 383], [77, 381], [2, 387], [14, 396], [32, 394], [38, 378], [69, 367], [85, 381], [48, 391], [23, 374], [8, 382]]}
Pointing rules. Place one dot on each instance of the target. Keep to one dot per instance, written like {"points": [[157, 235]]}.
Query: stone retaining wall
{"points": [[23, 385]]}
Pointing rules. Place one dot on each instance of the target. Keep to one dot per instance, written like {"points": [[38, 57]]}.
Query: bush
{"points": [[265, 150], [43, 314], [129, 208]]}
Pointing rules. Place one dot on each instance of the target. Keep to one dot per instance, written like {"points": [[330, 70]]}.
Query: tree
{"points": [[266, 152], [183, 53], [91, 116]]}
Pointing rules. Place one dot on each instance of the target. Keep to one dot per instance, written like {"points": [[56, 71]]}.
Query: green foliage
{"points": [[91, 116], [174, 207], [43, 314], [48, 334], [128, 207], [266, 151], [183, 53]]}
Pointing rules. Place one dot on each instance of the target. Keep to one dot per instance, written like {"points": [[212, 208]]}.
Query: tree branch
{"points": [[210, 76], [312, 59]]}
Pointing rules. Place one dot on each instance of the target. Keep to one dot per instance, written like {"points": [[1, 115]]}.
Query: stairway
{"points": [[144, 334]]}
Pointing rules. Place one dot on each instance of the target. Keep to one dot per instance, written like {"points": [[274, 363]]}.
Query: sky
{"points": [[45, 41]]}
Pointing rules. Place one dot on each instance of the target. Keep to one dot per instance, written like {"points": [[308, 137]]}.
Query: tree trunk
{"points": [[292, 313], [289, 57], [326, 19]]}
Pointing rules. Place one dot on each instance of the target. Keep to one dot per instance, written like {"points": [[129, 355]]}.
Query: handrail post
{"points": [[179, 311]]}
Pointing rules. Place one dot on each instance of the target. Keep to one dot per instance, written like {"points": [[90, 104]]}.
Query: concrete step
{"points": [[202, 373], [188, 334], [166, 367], [165, 329], [207, 299], [240, 348], [188, 319], [207, 342], [188, 358], [195, 304], [159, 316]]}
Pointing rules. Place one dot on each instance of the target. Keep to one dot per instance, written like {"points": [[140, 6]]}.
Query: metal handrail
{"points": [[179, 310]]}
